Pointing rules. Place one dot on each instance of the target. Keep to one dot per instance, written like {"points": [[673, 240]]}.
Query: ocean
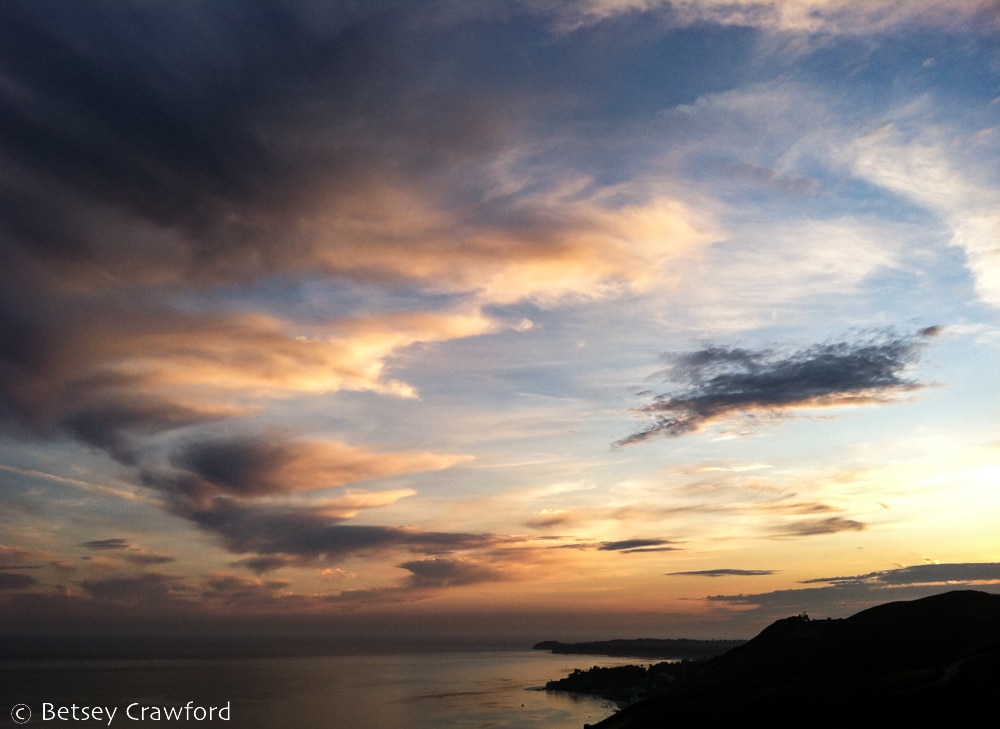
{"points": [[498, 689]]}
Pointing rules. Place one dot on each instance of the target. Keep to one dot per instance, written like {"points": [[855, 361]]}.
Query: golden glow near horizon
{"points": [[669, 316]]}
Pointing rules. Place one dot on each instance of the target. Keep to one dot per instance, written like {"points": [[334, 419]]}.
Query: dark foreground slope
{"points": [[920, 662]]}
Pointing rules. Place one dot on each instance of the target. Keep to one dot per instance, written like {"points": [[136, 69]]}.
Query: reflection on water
{"points": [[402, 691]]}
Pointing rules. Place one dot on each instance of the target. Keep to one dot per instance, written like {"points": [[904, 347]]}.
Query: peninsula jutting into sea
{"points": [[932, 661]]}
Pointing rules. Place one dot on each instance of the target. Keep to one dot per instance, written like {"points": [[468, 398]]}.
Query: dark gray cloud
{"points": [[16, 581], [160, 110], [241, 466], [102, 544], [260, 565], [254, 466], [146, 558], [723, 572], [125, 550], [813, 527], [443, 572], [920, 574], [843, 596], [723, 382], [427, 576], [161, 148], [114, 427], [243, 592], [61, 367], [149, 587], [214, 122], [630, 546], [284, 535]]}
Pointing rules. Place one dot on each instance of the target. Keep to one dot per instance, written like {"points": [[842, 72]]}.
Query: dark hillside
{"points": [[938, 657]]}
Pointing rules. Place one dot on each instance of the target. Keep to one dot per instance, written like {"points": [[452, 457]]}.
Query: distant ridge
{"points": [[921, 662], [675, 648]]}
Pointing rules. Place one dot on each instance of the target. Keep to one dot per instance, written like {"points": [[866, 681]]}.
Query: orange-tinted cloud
{"points": [[13, 555], [260, 466], [548, 250]]}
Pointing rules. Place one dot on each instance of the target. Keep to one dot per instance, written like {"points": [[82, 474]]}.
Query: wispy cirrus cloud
{"points": [[848, 17], [948, 173], [729, 382]]}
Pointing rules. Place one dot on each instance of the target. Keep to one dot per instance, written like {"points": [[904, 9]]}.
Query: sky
{"points": [[612, 318]]}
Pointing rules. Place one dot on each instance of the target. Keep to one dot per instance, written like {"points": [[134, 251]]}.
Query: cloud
{"points": [[848, 17], [259, 466], [848, 595], [723, 572], [440, 572], [921, 574], [110, 370], [727, 382], [243, 490], [795, 508], [187, 141], [146, 558], [146, 188], [242, 591], [149, 587], [103, 544], [813, 527], [260, 565], [123, 549], [136, 170], [11, 556], [946, 172], [111, 426], [427, 578], [549, 518], [631, 546], [354, 501], [299, 535], [15, 581]]}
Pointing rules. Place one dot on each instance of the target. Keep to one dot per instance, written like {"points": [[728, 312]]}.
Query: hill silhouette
{"points": [[921, 662], [673, 648]]}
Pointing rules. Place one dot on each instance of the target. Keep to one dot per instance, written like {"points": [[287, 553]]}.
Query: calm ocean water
{"points": [[387, 691]]}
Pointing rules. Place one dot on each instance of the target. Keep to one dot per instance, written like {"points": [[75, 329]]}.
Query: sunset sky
{"points": [[603, 318]]}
